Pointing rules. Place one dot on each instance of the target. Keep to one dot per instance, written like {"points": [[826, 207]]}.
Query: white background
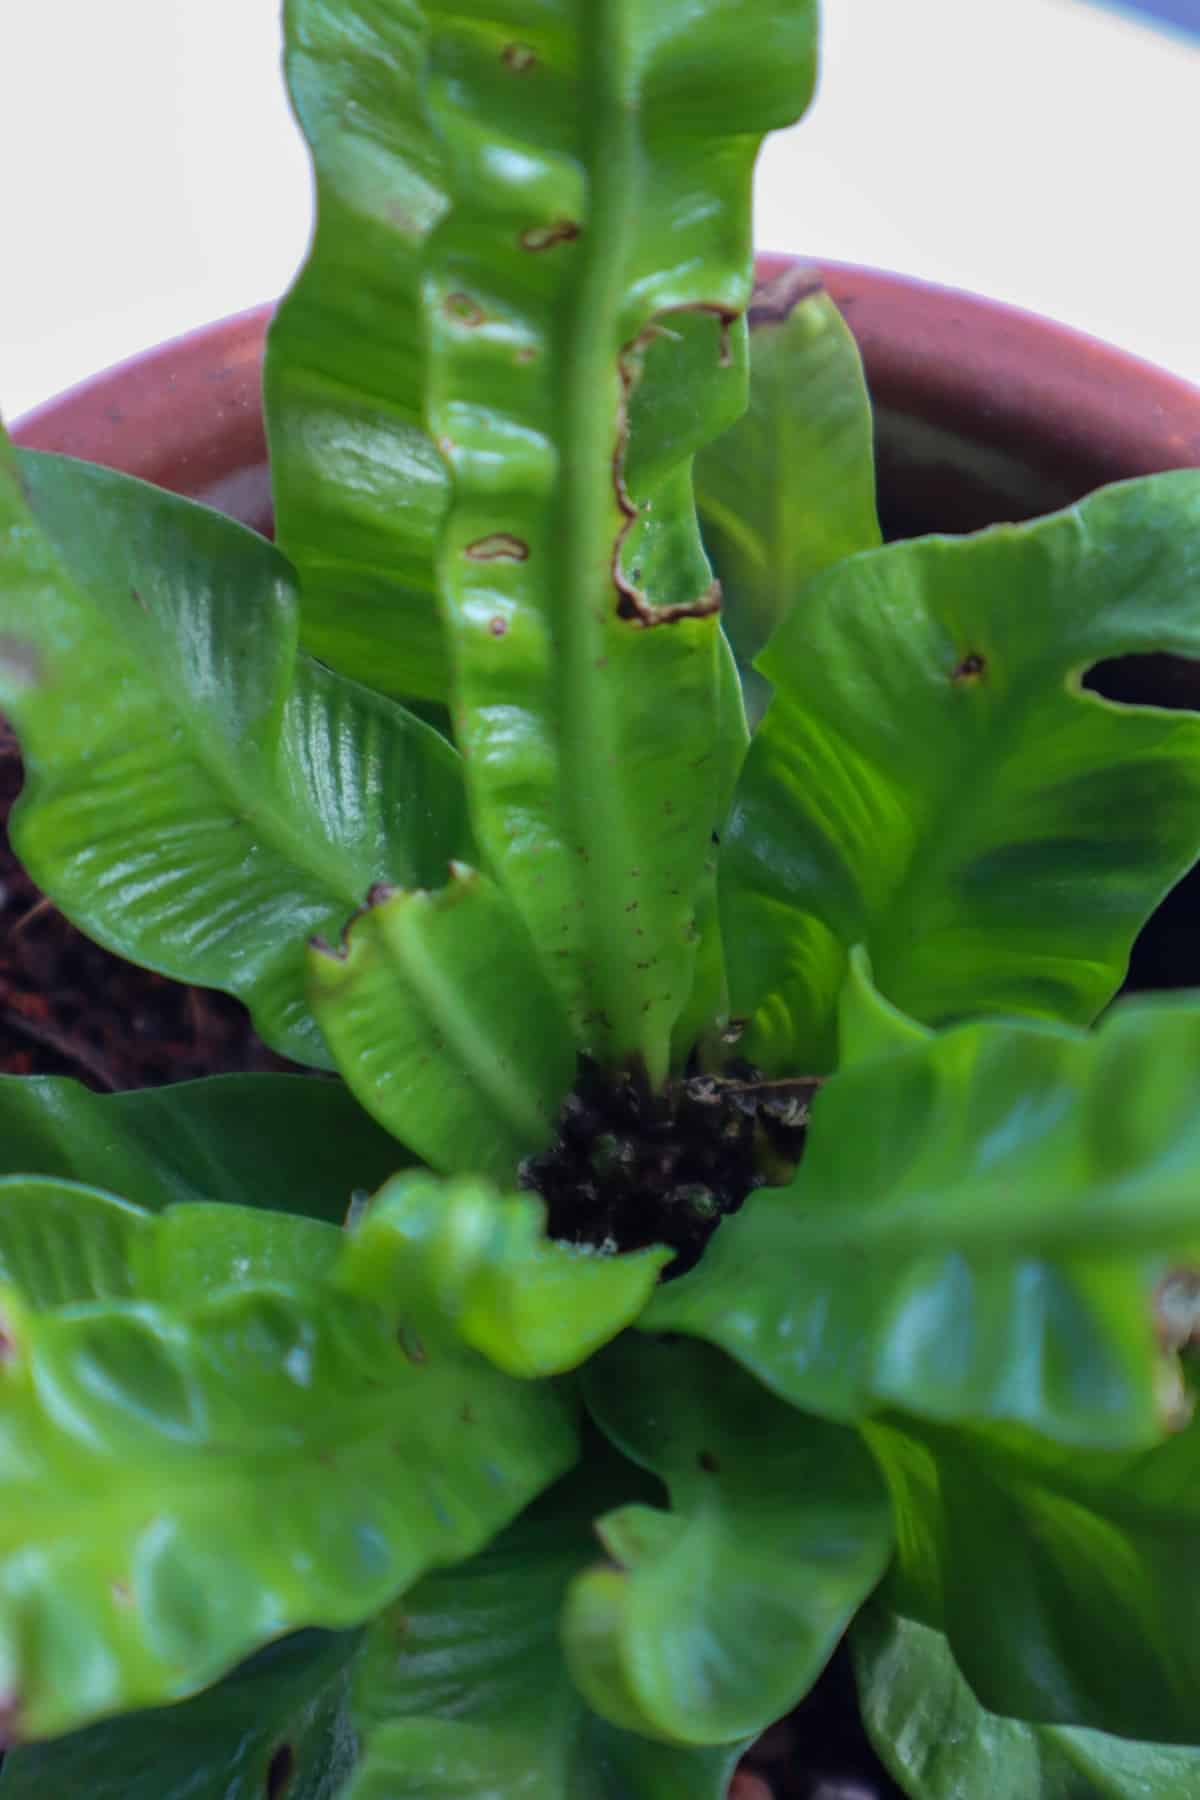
{"points": [[1046, 152]]}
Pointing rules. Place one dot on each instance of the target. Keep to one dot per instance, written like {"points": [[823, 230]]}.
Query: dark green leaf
{"points": [[942, 1745], [574, 368], [977, 1231], [444, 1025], [198, 798], [280, 1141], [1067, 1582], [715, 1617], [788, 490], [931, 781], [285, 1712], [359, 487], [483, 1262], [469, 1687]]}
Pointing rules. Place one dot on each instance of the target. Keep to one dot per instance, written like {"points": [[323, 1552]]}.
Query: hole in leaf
{"points": [[280, 1770], [1156, 679], [1167, 951]]}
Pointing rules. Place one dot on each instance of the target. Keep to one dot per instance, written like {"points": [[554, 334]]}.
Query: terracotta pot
{"points": [[983, 413]]}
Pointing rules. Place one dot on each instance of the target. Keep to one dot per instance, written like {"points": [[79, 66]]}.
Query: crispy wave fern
{"points": [[724, 1223]]}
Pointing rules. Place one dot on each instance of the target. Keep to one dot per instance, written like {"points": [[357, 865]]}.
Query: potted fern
{"points": [[724, 1230]]}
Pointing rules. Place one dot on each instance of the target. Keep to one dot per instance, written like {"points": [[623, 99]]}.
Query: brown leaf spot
{"points": [[19, 660], [518, 58], [10, 1720], [280, 1770], [137, 599], [462, 309], [381, 891], [498, 625], [971, 667], [411, 1345], [122, 1593], [498, 546], [710, 1463], [773, 301], [544, 237], [525, 354]]}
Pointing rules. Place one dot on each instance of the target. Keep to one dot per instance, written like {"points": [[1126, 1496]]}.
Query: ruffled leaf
{"points": [[469, 1696], [444, 1025], [574, 369], [284, 1142], [789, 490], [715, 1617], [359, 487], [932, 782], [1082, 1563], [199, 798], [978, 1230], [941, 1744], [482, 1261], [242, 1442]]}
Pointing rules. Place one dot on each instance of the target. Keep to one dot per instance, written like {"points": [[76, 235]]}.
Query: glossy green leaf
{"points": [[714, 1618], [264, 1448], [280, 1141], [789, 490], [707, 1008], [359, 487], [483, 1262], [582, 295], [978, 1230], [869, 1025], [199, 798], [469, 1691], [941, 1744], [931, 781], [1084, 1565], [444, 1025], [283, 1714]]}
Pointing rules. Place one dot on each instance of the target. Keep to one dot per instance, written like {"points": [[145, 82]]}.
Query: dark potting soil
{"points": [[68, 1007]]}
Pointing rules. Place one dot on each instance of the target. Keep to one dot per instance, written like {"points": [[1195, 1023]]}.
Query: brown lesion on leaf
{"points": [[280, 1771], [498, 546], [497, 625], [11, 1734], [970, 668], [411, 1346], [774, 301], [545, 237], [463, 309], [19, 660], [518, 58], [709, 1462], [377, 894], [633, 604]]}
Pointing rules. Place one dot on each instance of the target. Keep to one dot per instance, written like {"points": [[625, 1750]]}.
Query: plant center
{"points": [[631, 1167]]}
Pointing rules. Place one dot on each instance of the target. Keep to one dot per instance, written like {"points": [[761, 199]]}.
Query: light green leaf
{"points": [[444, 1025], [869, 1025], [468, 1690], [574, 368], [977, 1231], [483, 1261], [243, 1446], [931, 781], [199, 798], [359, 487], [278, 1727], [941, 1744], [285, 1142], [789, 489], [1066, 1582], [714, 1618]]}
